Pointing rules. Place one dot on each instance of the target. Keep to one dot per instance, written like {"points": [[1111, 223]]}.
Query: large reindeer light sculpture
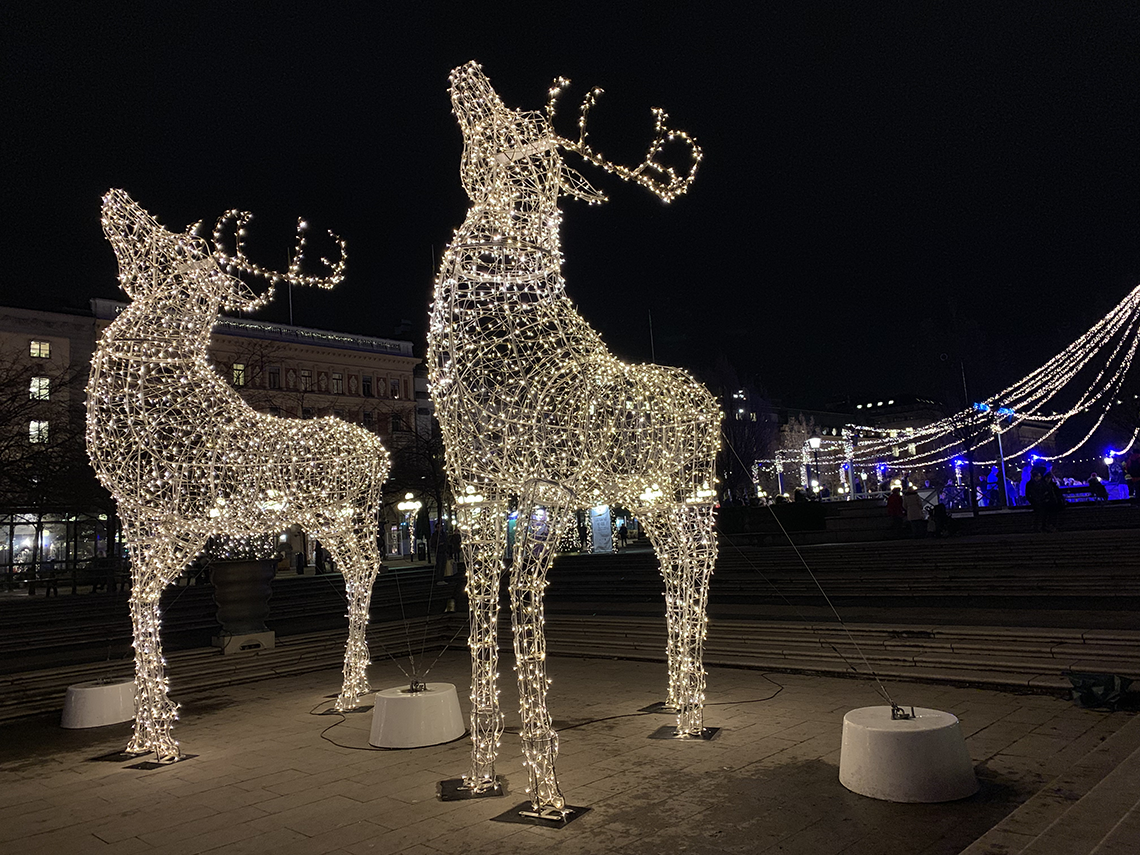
{"points": [[186, 458], [534, 406]]}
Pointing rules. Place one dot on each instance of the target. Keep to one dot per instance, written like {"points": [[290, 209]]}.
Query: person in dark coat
{"points": [[1097, 488], [896, 512], [1056, 504], [1039, 496]]}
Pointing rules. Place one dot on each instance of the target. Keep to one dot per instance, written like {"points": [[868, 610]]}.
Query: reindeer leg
{"points": [[692, 553], [665, 545], [155, 561], [484, 540], [543, 517], [360, 561]]}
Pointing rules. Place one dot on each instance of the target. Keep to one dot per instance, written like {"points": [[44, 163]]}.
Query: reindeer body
{"points": [[186, 458], [532, 405]]}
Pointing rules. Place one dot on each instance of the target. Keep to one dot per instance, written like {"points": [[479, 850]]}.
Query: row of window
{"points": [[303, 380], [382, 422]]}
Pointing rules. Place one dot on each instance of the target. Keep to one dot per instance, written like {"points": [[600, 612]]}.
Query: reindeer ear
{"points": [[574, 184]]}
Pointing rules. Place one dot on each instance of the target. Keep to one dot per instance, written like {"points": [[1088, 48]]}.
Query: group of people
{"points": [[910, 517], [1045, 497]]}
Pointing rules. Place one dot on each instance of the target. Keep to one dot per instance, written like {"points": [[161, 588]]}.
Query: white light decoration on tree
{"points": [[533, 407], [186, 458]]}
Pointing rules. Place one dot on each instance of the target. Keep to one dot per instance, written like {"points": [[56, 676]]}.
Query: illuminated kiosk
{"points": [[416, 716], [186, 458], [920, 756], [532, 405]]}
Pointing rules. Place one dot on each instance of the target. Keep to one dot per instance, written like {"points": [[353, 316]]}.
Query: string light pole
{"points": [[186, 459], [533, 405]]}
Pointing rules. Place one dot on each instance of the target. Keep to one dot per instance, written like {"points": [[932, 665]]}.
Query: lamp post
{"points": [[997, 415], [410, 507], [814, 441]]}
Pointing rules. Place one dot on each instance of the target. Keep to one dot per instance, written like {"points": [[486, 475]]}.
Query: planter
{"points": [[242, 590]]}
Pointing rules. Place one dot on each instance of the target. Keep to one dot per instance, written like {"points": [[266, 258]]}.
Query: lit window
{"points": [[337, 384], [366, 386], [306, 380], [41, 389], [37, 431], [274, 378], [239, 373], [40, 349]]}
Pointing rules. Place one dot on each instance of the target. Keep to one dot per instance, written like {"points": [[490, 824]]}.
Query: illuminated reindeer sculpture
{"points": [[534, 407], [186, 458]]}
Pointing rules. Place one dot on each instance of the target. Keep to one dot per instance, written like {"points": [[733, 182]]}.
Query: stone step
{"points": [[1093, 800], [203, 669], [1035, 658]]}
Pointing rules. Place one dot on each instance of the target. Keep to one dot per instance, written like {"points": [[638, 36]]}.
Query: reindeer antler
{"points": [[655, 177], [238, 263]]}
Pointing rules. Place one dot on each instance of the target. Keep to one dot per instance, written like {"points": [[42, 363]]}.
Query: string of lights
{"points": [[1090, 372], [186, 459], [532, 405]]}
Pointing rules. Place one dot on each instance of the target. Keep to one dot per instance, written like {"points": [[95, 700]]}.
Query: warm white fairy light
{"points": [[533, 406], [186, 458], [1091, 371]]}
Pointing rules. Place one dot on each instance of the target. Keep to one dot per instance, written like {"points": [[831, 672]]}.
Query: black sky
{"points": [[882, 186]]}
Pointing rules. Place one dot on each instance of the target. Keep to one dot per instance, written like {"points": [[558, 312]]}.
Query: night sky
{"points": [[885, 191]]}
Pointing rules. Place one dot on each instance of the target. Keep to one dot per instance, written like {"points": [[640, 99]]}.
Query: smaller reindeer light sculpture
{"points": [[186, 458]]}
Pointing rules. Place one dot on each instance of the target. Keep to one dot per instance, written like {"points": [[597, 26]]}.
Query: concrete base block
{"points": [[920, 759], [98, 702], [402, 718], [245, 643]]}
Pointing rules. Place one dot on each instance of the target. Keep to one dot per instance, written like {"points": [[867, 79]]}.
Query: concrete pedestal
{"points": [[922, 759], [98, 702], [245, 642], [402, 718]]}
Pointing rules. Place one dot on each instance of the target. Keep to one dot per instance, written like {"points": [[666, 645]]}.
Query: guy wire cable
{"points": [[883, 690]]}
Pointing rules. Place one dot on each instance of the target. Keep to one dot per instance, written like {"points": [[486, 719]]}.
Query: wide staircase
{"points": [[51, 643], [1093, 808]]}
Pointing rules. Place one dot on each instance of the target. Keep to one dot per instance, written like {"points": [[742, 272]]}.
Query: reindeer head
{"points": [[515, 149], [155, 262]]}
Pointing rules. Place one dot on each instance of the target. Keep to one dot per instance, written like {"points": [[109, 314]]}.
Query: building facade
{"points": [[284, 370]]}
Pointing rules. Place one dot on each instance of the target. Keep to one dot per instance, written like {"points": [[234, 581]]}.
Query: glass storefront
{"points": [[55, 549]]}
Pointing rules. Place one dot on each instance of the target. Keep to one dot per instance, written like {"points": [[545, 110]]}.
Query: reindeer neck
{"points": [[184, 331], [503, 254]]}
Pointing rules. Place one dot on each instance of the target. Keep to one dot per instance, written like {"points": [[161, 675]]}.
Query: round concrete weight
{"points": [[98, 702], [406, 719], [921, 759]]}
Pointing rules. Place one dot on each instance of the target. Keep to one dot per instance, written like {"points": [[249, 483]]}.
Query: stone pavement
{"points": [[269, 777]]}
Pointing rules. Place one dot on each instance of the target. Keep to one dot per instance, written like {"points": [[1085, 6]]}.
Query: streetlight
{"points": [[815, 441], [410, 507], [997, 415]]}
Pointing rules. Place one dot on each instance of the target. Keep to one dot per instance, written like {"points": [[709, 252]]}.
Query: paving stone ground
{"points": [[269, 777]]}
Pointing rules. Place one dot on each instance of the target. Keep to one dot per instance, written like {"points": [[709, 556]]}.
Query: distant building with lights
{"points": [[280, 369]]}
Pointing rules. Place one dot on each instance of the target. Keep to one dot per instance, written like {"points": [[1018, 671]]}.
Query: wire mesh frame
{"points": [[186, 458], [532, 405]]}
